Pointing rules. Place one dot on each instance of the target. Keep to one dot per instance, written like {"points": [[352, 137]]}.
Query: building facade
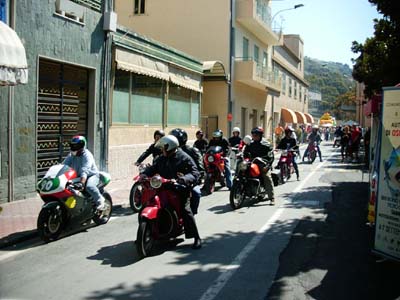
{"points": [[236, 34], [64, 43]]}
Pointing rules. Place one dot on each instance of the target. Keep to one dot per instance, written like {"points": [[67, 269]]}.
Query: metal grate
{"points": [[92, 4], [62, 111]]}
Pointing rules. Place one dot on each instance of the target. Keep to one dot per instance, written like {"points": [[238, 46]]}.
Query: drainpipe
{"points": [[11, 121], [231, 64]]}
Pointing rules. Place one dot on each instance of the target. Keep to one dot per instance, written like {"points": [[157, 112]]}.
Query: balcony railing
{"points": [[255, 16], [253, 74]]}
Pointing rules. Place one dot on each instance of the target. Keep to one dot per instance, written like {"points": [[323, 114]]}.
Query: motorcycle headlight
{"points": [[284, 152], [210, 159], [243, 166], [155, 182]]}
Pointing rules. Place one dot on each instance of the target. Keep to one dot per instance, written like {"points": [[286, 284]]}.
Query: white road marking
{"points": [[230, 269]]}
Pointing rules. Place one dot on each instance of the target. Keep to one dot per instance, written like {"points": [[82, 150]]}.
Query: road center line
{"points": [[230, 269]]}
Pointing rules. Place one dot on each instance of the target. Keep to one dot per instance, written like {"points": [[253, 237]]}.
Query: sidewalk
{"points": [[18, 218]]}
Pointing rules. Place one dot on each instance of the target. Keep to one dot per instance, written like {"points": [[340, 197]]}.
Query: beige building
{"points": [[239, 82], [291, 107]]}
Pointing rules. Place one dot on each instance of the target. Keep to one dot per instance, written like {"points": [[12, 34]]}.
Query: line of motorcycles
{"points": [[156, 199]]}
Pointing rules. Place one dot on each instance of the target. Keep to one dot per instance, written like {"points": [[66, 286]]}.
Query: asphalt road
{"points": [[239, 258]]}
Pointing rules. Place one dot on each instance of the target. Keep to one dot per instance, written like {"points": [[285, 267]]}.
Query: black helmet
{"points": [[78, 142], [218, 133], [200, 132], [257, 130], [180, 134], [159, 132]]}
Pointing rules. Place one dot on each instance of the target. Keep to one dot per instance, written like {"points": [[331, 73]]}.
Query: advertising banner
{"points": [[387, 233]]}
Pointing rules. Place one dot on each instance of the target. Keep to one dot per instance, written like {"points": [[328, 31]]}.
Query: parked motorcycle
{"points": [[135, 195], [161, 216], [247, 182], [285, 164], [214, 164], [312, 152], [64, 206]]}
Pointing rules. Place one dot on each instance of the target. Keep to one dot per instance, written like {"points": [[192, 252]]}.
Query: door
{"points": [[62, 104]]}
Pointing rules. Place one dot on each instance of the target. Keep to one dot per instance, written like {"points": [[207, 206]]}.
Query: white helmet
{"points": [[168, 143], [315, 127], [247, 139], [236, 129]]}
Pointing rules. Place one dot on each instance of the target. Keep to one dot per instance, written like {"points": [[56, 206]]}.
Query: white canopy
{"points": [[13, 64]]}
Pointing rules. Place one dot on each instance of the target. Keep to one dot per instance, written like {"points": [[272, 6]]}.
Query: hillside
{"points": [[330, 78]]}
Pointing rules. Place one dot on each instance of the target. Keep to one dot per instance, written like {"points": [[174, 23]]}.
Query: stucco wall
{"points": [[45, 34]]}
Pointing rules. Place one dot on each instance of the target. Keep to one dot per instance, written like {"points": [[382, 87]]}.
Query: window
{"points": [[245, 48], [133, 95], [265, 60], [183, 106], [290, 87], [3, 11], [284, 83], [301, 93], [256, 54], [295, 90], [139, 7]]}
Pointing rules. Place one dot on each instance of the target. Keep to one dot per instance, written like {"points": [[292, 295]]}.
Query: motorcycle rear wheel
{"points": [[144, 238], [236, 195], [135, 197], [50, 223], [101, 217]]}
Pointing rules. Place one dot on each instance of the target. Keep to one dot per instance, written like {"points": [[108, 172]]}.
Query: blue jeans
{"points": [[195, 199], [91, 187], [228, 174]]}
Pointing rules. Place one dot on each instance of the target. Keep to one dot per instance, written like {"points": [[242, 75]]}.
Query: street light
{"points": [[279, 11]]}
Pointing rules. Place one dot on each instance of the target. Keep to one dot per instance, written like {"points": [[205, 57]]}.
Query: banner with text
{"points": [[387, 233]]}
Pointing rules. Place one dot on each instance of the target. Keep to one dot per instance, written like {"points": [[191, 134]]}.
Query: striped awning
{"points": [[288, 116], [13, 63], [301, 118], [310, 118]]}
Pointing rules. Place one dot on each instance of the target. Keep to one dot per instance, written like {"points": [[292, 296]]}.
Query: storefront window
{"points": [[178, 105], [146, 100], [120, 105], [195, 108]]}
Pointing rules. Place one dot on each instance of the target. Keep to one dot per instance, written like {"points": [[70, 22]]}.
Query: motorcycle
{"points": [[285, 164], [312, 152], [214, 164], [161, 216], [247, 182], [135, 195], [233, 157], [64, 206]]}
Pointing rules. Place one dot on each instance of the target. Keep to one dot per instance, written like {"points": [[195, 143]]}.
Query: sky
{"points": [[327, 27]]}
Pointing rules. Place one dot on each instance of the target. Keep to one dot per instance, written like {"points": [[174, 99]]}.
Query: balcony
{"points": [[255, 16], [248, 72]]}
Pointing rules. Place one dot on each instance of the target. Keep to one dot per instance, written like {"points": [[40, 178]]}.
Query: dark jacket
{"points": [[169, 167], [152, 150], [195, 154], [201, 145], [283, 144], [223, 142], [234, 141], [262, 149]]}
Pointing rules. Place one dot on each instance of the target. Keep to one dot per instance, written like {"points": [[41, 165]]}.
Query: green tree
{"points": [[378, 62]]}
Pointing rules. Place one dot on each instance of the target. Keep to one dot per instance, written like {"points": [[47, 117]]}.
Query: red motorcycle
{"points": [[312, 151], [285, 164], [247, 182], [214, 164], [161, 216], [135, 195]]}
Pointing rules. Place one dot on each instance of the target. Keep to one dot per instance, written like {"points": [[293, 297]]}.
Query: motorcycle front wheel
{"points": [[135, 197], [102, 216], [313, 155], [236, 195], [284, 173], [50, 223], [144, 238]]}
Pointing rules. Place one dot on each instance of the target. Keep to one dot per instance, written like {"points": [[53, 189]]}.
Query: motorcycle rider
{"points": [[201, 142], [176, 164], [219, 140], [314, 136], [195, 154], [235, 139], [152, 150], [288, 142], [82, 161], [259, 147]]}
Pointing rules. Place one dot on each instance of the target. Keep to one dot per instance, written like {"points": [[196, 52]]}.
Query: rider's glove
{"points": [[79, 186]]}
